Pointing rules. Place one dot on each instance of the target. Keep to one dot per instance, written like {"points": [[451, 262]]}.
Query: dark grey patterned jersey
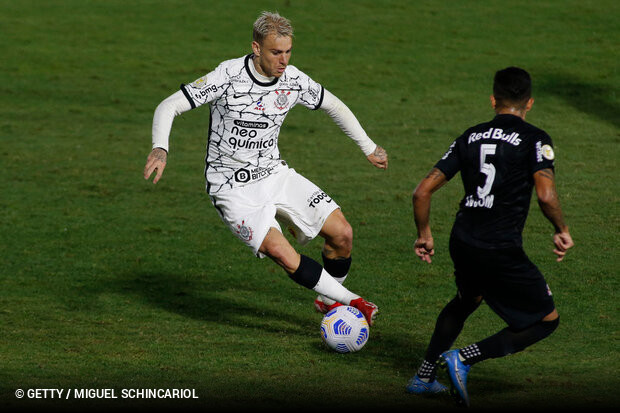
{"points": [[246, 116]]}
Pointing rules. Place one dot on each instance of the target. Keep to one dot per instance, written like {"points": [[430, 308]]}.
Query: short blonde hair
{"points": [[268, 23]]}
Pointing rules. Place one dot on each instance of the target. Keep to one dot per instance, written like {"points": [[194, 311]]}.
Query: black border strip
{"points": [[318, 105], [255, 80], [191, 101]]}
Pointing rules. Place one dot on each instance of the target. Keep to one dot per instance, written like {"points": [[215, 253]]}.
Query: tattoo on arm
{"points": [[380, 153], [160, 155], [547, 173], [434, 174]]}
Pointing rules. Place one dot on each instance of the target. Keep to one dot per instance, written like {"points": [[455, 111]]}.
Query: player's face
{"points": [[273, 54]]}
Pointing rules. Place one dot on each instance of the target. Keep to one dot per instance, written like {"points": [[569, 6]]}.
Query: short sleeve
{"points": [[206, 88], [542, 155], [450, 163]]}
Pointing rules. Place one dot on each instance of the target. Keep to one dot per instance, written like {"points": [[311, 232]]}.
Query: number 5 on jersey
{"points": [[486, 168]]}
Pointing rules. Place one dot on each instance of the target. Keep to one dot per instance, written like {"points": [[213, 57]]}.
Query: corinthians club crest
{"points": [[244, 231], [282, 99]]}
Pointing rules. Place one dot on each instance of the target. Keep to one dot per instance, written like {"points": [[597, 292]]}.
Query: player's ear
{"points": [[256, 48], [529, 104], [493, 101]]}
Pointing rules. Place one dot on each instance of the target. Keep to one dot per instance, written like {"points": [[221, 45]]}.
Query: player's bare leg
{"points": [[310, 274], [277, 247], [302, 269], [552, 316], [338, 236]]}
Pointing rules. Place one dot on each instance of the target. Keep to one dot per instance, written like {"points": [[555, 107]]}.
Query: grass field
{"points": [[110, 282]]}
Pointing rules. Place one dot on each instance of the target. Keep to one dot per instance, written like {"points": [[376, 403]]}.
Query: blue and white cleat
{"points": [[417, 386], [458, 375]]}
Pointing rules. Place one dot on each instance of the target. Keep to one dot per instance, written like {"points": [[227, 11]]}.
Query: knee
{"points": [[464, 306], [343, 239]]}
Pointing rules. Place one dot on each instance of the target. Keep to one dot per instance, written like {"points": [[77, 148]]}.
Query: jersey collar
{"points": [[248, 62]]}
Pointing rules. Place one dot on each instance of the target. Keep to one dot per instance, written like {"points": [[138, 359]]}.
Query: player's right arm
{"points": [[170, 107], [424, 245], [544, 182], [201, 91]]}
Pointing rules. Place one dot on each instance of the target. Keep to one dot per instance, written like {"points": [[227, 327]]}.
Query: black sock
{"points": [[447, 328], [427, 371], [338, 267], [507, 341], [308, 273]]}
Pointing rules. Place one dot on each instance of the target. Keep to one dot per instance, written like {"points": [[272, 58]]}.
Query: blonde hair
{"points": [[268, 23]]}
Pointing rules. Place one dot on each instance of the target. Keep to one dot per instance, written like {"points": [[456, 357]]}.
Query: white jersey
{"points": [[246, 116]]}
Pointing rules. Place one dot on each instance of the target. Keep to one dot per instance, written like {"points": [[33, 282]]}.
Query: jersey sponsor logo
{"points": [[484, 202], [246, 175], [259, 105], [260, 172], [314, 93], [236, 143], [539, 156], [449, 151], [281, 101], [238, 79], [496, 134], [317, 197], [289, 84], [199, 94], [242, 175], [249, 124], [245, 132]]}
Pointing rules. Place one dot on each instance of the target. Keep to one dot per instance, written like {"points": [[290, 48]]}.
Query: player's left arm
{"points": [[346, 120], [424, 245], [549, 202]]}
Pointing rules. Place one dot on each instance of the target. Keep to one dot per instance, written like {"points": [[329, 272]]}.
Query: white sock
{"points": [[331, 290], [329, 301]]}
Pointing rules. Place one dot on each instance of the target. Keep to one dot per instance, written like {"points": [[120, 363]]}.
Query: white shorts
{"points": [[250, 211]]}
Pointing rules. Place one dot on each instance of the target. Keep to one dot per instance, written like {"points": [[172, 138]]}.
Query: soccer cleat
{"points": [[417, 386], [458, 375], [367, 308], [321, 307]]}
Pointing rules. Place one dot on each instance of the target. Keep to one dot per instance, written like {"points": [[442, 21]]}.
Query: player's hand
{"points": [[424, 248], [379, 158], [562, 241], [156, 162]]}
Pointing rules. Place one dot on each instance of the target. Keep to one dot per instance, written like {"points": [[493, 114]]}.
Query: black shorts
{"points": [[509, 282]]}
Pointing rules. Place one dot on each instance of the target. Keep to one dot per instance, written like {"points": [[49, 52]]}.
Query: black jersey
{"points": [[497, 160]]}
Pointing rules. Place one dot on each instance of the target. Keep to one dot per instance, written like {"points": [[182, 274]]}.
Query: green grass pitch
{"points": [[110, 282]]}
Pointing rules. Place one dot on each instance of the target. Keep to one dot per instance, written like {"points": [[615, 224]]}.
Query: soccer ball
{"points": [[344, 329]]}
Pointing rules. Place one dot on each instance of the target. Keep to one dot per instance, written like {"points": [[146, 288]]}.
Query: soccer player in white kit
{"points": [[250, 185]]}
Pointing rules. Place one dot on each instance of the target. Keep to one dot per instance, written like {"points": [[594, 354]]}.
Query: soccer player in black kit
{"points": [[500, 162]]}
